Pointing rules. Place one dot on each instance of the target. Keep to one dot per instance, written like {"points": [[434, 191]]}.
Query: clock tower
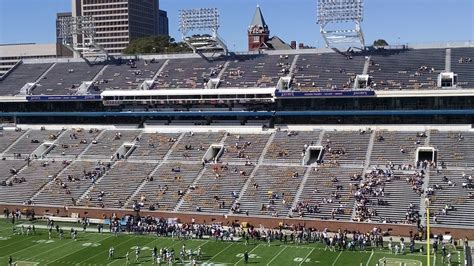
{"points": [[258, 32]]}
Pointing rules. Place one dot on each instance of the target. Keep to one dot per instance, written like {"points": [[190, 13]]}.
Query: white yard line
{"points": [[99, 253], [49, 250], [58, 259], [250, 252], [203, 244], [25, 249], [304, 260], [334, 263], [276, 256], [218, 253], [371, 254]]}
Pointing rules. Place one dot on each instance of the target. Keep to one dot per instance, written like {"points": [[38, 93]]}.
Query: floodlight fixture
{"points": [[201, 20], [334, 12], [78, 34], [198, 19]]}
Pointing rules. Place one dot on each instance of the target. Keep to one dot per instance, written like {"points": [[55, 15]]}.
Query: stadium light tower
{"points": [[334, 15], [78, 34], [201, 20]]}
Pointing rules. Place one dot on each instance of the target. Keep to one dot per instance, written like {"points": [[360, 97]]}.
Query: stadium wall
{"points": [[331, 225]]}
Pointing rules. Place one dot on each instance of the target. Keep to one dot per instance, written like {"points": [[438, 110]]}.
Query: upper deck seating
{"points": [[24, 73], [65, 78], [327, 71], [256, 71], [126, 75], [190, 73], [462, 63], [412, 69]]}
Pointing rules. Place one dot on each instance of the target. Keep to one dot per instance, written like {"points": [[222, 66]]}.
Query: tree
{"points": [[380, 42], [156, 45]]}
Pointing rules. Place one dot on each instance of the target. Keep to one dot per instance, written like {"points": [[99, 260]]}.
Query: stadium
{"points": [[272, 156]]}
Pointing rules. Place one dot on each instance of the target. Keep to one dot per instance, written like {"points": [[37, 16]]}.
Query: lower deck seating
{"points": [[118, 185], [272, 191], [397, 198], [193, 146], [31, 141], [107, 144], [452, 203], [244, 147], [73, 142], [217, 189], [396, 147], [455, 149], [272, 188], [72, 183], [7, 137], [328, 194], [153, 146], [27, 182], [167, 186], [346, 147], [8, 168], [288, 146]]}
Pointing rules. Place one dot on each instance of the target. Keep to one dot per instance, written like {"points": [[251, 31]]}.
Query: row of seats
{"points": [[326, 72], [395, 147], [167, 186], [72, 142], [115, 188], [244, 147], [349, 148], [457, 201], [65, 78], [153, 146], [255, 71], [288, 146], [126, 75], [410, 69], [217, 189], [31, 179], [328, 193], [31, 140], [109, 142], [193, 146], [413, 69], [455, 149], [271, 198], [71, 184]]}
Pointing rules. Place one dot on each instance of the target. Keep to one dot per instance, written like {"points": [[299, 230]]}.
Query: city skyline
{"points": [[419, 21]]}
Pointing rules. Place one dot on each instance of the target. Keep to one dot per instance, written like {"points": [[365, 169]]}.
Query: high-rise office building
{"points": [[163, 24], [118, 22]]}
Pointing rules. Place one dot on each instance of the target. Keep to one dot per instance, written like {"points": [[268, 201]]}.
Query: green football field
{"points": [[92, 249]]}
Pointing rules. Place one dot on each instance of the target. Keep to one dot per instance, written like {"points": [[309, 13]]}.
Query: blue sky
{"points": [[397, 21]]}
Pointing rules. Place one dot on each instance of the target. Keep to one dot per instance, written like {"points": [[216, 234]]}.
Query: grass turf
{"points": [[92, 249]]}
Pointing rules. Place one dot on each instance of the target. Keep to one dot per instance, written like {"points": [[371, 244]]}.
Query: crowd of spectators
{"points": [[371, 192]]}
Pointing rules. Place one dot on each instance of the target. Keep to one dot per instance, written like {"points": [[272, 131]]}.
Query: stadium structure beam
{"points": [[78, 34], [332, 14], [202, 20]]}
